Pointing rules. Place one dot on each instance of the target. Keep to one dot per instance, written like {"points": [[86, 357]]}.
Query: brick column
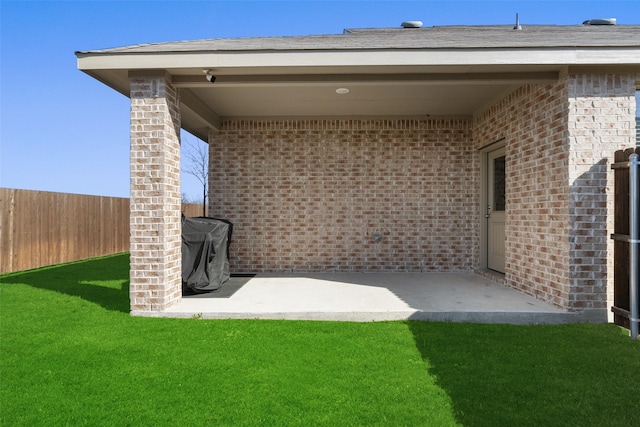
{"points": [[211, 144], [600, 121], [155, 193]]}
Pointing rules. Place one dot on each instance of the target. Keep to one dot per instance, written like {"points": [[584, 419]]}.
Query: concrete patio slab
{"points": [[362, 297]]}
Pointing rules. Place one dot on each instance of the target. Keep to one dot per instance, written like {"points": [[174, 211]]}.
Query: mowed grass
{"points": [[70, 354]]}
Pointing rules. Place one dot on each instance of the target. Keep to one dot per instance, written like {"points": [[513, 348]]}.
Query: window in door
{"points": [[499, 179]]}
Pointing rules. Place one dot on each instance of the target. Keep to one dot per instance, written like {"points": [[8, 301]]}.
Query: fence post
{"points": [[634, 242]]}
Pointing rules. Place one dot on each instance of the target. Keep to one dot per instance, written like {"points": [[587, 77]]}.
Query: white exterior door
{"points": [[496, 206]]}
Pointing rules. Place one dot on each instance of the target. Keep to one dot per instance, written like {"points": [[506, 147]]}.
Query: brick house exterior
{"points": [[560, 139], [386, 192], [155, 193]]}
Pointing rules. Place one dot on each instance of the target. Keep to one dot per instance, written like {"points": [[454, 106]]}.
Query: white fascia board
{"points": [[339, 58]]}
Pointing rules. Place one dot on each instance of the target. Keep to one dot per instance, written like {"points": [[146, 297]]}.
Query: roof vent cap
{"points": [[517, 26], [412, 24], [602, 21]]}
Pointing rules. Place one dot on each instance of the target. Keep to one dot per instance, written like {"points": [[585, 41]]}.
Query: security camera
{"points": [[211, 78]]}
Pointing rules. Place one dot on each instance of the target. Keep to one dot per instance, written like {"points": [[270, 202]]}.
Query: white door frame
{"points": [[484, 199]]}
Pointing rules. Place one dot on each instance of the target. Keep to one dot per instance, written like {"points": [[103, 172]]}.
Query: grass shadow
{"points": [[533, 375], [103, 281]]}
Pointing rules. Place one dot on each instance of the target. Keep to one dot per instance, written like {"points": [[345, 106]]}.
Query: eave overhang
{"points": [[383, 83]]}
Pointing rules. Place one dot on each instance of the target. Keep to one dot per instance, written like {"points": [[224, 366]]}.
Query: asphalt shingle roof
{"points": [[446, 37]]}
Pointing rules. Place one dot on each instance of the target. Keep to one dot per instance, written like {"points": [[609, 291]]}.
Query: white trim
{"points": [[331, 59], [389, 79]]}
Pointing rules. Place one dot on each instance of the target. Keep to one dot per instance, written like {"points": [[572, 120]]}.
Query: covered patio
{"points": [[383, 173], [365, 297]]}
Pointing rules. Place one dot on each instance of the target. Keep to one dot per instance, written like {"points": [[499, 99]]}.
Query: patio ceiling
{"points": [[375, 93], [389, 73], [378, 93]]}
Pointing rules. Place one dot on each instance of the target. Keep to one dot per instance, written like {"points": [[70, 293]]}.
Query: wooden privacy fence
{"points": [[626, 271], [39, 228]]}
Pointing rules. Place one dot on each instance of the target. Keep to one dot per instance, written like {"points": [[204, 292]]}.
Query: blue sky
{"points": [[61, 130]]}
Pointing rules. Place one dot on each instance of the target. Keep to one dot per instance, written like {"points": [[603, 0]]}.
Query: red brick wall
{"points": [[347, 195]]}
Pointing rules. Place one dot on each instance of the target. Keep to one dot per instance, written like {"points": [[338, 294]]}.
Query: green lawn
{"points": [[70, 354]]}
